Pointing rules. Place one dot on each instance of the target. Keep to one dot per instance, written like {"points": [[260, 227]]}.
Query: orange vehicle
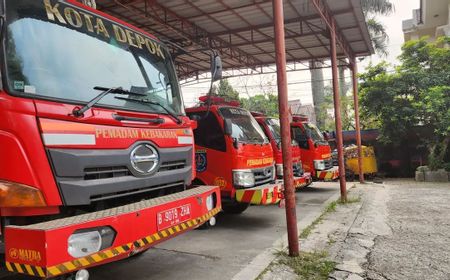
{"points": [[272, 129], [315, 150], [96, 151], [232, 152]]}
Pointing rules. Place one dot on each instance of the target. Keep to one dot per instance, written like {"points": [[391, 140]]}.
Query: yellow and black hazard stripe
{"points": [[63, 268], [26, 269], [327, 175]]}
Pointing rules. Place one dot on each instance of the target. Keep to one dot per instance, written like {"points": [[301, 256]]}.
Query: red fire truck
{"points": [[96, 149], [315, 150], [271, 128], [232, 152]]}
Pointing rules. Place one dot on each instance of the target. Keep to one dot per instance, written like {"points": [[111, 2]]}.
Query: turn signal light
{"points": [[18, 195]]}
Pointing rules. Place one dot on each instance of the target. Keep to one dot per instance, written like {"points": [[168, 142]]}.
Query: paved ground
{"points": [[398, 230], [223, 251]]}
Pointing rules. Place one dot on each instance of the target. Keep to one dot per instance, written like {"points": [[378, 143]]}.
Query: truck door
{"points": [[211, 151]]}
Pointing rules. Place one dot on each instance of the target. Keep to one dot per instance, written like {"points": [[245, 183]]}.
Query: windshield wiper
{"points": [[145, 101], [105, 91]]}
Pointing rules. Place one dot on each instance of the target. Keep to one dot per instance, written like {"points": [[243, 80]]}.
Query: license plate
{"points": [[174, 216]]}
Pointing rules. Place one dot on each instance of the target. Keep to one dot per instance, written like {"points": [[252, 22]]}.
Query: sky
{"points": [[299, 86]]}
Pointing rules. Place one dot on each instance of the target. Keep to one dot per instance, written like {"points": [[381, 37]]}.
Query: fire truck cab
{"points": [[315, 150], [271, 128], [96, 149], [232, 152]]}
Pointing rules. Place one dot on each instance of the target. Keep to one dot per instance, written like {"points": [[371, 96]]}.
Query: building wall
{"points": [[432, 20]]}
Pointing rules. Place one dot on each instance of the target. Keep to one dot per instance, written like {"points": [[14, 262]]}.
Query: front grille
{"points": [[137, 191], [297, 170], [328, 163], [263, 175], [172, 165], [96, 173], [83, 176]]}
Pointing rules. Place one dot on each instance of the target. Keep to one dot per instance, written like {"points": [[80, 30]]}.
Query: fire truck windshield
{"points": [[244, 127], [59, 51], [315, 134], [274, 126]]}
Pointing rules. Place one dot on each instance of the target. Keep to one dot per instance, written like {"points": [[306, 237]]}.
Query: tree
{"points": [[379, 38], [416, 93], [264, 103], [226, 90]]}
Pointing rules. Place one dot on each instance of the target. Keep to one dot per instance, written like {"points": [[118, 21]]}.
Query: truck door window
{"points": [[300, 136], [209, 133]]}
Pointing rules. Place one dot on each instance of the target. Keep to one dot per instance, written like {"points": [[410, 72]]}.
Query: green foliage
{"points": [[376, 29], [384, 7], [314, 266], [267, 104], [226, 91], [416, 93]]}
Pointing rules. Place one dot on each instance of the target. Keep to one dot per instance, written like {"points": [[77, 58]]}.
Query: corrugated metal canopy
{"points": [[242, 30]]}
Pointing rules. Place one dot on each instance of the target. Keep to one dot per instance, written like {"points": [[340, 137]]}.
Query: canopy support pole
{"points": [[289, 190], [337, 113], [357, 127]]}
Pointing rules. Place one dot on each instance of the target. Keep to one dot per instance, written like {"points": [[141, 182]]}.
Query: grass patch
{"points": [[314, 266], [329, 209], [354, 199], [267, 269]]}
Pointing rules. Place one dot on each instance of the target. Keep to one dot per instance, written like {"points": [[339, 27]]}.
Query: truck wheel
{"points": [[234, 207], [139, 254]]}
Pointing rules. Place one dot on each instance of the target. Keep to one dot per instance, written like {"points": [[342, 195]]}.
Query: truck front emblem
{"points": [[144, 159]]}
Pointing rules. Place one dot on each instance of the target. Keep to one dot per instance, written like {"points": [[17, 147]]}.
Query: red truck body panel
{"points": [[299, 181], [41, 249], [319, 151], [215, 167]]}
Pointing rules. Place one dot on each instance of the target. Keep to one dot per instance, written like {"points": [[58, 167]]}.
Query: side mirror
{"points": [[228, 127], [216, 67], [195, 117]]}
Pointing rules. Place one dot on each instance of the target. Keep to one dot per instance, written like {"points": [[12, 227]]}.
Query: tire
{"points": [[234, 207], [139, 254]]}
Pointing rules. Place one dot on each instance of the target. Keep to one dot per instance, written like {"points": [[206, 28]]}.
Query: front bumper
{"points": [[41, 249], [261, 195], [303, 181], [327, 175]]}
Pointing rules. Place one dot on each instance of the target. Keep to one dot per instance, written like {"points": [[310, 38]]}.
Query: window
{"points": [[244, 126], [209, 133], [300, 136]]}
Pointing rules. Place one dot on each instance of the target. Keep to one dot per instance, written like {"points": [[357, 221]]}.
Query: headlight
{"points": [[319, 164], [86, 242], [279, 168], [243, 178], [210, 202]]}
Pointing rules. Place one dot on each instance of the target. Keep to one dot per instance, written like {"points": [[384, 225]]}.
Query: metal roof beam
{"points": [[270, 24], [328, 17], [191, 32]]}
